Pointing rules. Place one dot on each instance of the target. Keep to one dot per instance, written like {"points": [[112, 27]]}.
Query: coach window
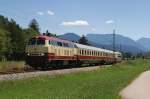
{"points": [[64, 52], [65, 45], [81, 52], [85, 52], [51, 43], [97, 53], [59, 43], [92, 53], [101, 53], [88, 52], [104, 54], [70, 52]]}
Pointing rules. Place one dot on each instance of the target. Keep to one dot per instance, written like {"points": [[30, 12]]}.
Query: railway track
{"points": [[13, 75]]}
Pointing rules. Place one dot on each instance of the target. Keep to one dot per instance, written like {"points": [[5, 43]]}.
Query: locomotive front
{"points": [[37, 51]]}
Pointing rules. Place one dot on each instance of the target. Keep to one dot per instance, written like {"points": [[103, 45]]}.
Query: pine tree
{"points": [[83, 40], [34, 25]]}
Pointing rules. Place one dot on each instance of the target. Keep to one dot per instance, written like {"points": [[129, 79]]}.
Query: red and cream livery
{"points": [[45, 51]]}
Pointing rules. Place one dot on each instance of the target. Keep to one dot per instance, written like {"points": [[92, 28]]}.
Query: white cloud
{"points": [[75, 23], [50, 12], [110, 22], [40, 13], [93, 29]]}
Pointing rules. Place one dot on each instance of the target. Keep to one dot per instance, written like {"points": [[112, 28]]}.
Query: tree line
{"points": [[13, 38]]}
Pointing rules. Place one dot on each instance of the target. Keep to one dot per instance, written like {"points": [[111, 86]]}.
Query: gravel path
{"points": [[139, 88], [41, 73]]}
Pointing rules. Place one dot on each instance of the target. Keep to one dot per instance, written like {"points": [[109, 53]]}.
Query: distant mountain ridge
{"points": [[123, 43], [145, 42], [70, 37]]}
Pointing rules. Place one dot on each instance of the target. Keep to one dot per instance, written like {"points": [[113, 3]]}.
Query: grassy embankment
{"points": [[12, 66], [104, 83]]}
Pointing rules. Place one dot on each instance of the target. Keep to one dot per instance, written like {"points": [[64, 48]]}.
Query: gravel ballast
{"points": [[44, 73]]}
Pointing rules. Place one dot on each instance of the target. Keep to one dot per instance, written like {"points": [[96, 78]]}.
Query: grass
{"points": [[104, 83], [11, 65]]}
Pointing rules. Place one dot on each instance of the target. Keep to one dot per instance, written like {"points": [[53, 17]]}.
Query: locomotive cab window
{"points": [[32, 42], [36, 42], [40, 42]]}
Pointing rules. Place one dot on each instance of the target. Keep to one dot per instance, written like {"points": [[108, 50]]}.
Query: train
{"points": [[46, 51]]}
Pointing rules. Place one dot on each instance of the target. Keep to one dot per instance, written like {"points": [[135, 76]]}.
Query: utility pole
{"points": [[114, 47]]}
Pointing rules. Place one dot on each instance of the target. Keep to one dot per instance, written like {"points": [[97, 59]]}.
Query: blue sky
{"points": [[129, 17]]}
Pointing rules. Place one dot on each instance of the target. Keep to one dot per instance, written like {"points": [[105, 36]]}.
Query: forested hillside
{"points": [[13, 38]]}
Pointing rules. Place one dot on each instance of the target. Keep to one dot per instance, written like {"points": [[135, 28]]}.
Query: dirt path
{"points": [[41, 73], [139, 88]]}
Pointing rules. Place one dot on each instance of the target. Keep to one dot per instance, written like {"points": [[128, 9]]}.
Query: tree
{"points": [[5, 47], [17, 40], [29, 33], [83, 40], [127, 55], [4, 22], [34, 25], [13, 38]]}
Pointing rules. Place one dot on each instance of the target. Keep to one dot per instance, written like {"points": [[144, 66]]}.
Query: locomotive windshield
{"points": [[34, 41]]}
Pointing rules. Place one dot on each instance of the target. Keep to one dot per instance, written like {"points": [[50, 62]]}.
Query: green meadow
{"points": [[104, 83]]}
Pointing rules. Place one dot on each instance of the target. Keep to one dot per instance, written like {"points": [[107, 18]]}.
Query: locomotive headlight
{"points": [[28, 54], [42, 54]]}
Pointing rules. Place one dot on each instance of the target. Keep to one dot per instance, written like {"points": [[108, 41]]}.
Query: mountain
{"points": [[70, 37], [123, 43], [145, 42]]}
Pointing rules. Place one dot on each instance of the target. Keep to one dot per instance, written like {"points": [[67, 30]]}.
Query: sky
{"points": [[130, 18]]}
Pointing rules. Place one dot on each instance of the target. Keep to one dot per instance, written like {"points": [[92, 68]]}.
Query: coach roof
{"points": [[92, 48]]}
